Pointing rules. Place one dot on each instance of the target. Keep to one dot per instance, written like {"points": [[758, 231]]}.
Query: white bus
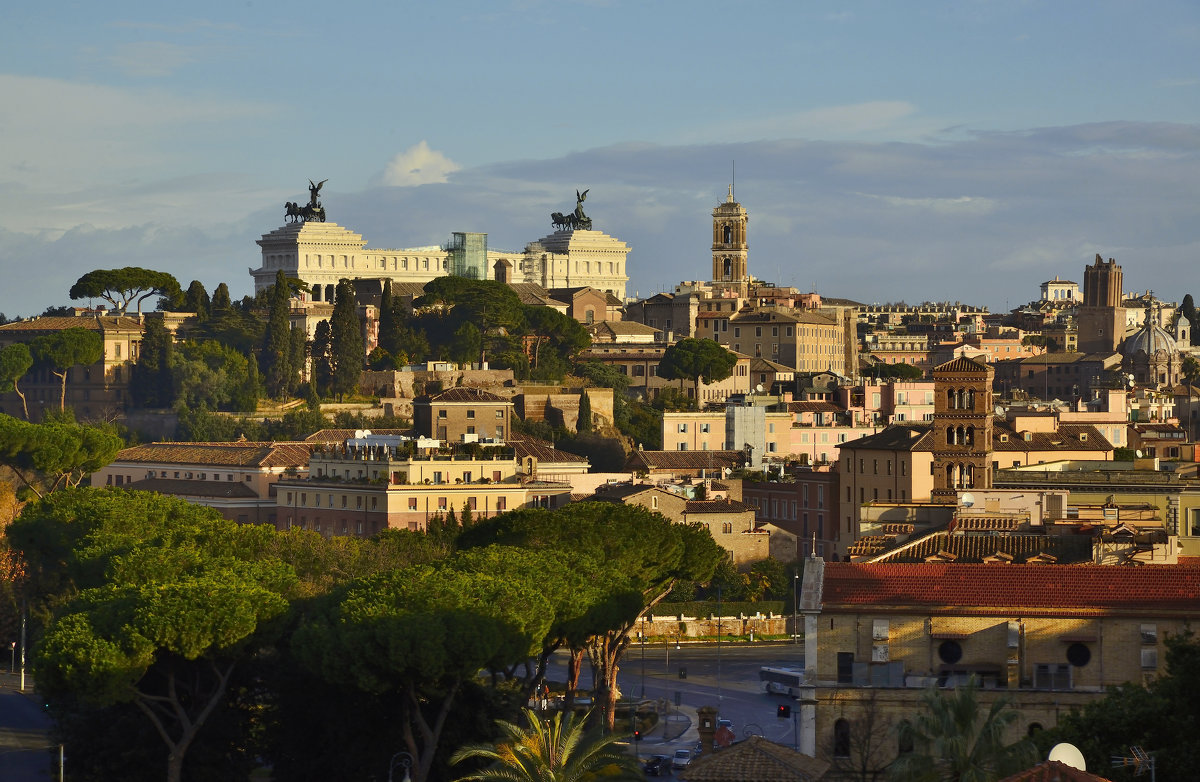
{"points": [[781, 681]]}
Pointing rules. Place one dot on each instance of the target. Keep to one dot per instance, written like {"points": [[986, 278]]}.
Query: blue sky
{"points": [[886, 151]]}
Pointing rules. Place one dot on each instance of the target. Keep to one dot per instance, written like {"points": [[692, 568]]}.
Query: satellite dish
{"points": [[1068, 755], [758, 388], [1138, 453], [968, 499]]}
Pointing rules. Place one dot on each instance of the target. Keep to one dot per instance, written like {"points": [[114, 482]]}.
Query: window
{"points": [[1051, 677], [950, 652], [471, 414], [682, 428], [441, 503], [1149, 634], [845, 670], [1078, 655], [501, 503], [499, 413], [441, 413], [412, 503]]}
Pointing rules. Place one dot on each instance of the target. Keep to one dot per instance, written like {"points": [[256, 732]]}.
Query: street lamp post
{"points": [[12, 657], [643, 634], [404, 761], [796, 608]]}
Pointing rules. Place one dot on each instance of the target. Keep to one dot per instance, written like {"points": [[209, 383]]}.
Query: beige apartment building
{"points": [[1048, 637], [804, 341], [94, 391], [462, 415], [377, 482], [236, 479], [639, 362]]}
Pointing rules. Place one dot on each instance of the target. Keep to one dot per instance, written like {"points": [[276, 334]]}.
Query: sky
{"points": [[886, 151]]}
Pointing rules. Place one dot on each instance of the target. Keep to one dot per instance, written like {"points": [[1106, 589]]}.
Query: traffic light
{"points": [[637, 734], [784, 711]]}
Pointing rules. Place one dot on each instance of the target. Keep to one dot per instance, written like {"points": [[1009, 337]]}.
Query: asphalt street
{"points": [[26, 754], [726, 678]]}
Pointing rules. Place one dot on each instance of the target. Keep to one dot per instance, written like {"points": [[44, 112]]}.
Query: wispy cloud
{"points": [[417, 165], [151, 58]]}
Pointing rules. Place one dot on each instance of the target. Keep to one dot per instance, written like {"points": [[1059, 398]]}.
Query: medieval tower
{"points": [[730, 270], [1101, 318], [962, 428]]}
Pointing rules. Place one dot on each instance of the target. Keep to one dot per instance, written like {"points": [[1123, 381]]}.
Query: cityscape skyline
{"points": [[947, 152]]}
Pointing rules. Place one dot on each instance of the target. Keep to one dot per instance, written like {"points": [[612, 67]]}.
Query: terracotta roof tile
{"points": [[756, 759], [1054, 771], [1154, 588], [717, 506], [524, 445], [61, 323], [684, 460], [236, 454], [342, 435], [465, 394]]}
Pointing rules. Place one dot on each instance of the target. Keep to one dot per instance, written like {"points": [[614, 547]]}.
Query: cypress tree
{"points": [[322, 364], [298, 358], [196, 300], [347, 348], [584, 425], [389, 321], [220, 303], [465, 519], [151, 386], [276, 348]]}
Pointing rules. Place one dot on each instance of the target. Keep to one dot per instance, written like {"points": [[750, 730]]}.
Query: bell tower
{"points": [[729, 250]]}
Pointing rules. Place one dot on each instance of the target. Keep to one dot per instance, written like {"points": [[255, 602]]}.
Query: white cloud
{"points": [[855, 119], [151, 58], [418, 165], [961, 205]]}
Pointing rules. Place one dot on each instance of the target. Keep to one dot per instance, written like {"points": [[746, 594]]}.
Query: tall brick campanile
{"points": [[962, 428]]}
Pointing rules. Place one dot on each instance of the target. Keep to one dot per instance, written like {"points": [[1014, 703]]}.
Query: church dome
{"points": [[1149, 339]]}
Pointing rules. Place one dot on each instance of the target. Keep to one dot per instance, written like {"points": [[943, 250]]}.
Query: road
{"points": [[726, 678], [25, 754]]}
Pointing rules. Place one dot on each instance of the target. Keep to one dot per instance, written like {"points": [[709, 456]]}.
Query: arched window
{"points": [[841, 739], [970, 439], [728, 234]]}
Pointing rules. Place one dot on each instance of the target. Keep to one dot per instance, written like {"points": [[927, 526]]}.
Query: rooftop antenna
{"points": [[733, 179]]}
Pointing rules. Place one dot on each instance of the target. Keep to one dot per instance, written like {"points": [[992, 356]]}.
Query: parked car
{"points": [[657, 765], [682, 758]]}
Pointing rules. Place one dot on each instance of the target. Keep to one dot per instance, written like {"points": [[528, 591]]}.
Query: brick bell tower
{"points": [[730, 253], [962, 428]]}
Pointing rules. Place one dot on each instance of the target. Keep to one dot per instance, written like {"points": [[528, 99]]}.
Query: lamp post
{"points": [[643, 639], [12, 657], [404, 761], [796, 608]]}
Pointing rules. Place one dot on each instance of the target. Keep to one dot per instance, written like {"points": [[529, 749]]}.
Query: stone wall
{"points": [[404, 384], [560, 405]]}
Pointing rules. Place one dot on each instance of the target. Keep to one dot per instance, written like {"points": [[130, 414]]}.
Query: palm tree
{"points": [[550, 751], [954, 740]]}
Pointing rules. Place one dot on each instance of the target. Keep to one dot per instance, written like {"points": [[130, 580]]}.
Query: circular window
{"points": [[950, 652], [1078, 655]]}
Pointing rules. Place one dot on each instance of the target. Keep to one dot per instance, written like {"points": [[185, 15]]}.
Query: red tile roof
{"points": [[61, 322], [342, 435], [1162, 589], [1054, 771], [466, 394], [236, 454]]}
